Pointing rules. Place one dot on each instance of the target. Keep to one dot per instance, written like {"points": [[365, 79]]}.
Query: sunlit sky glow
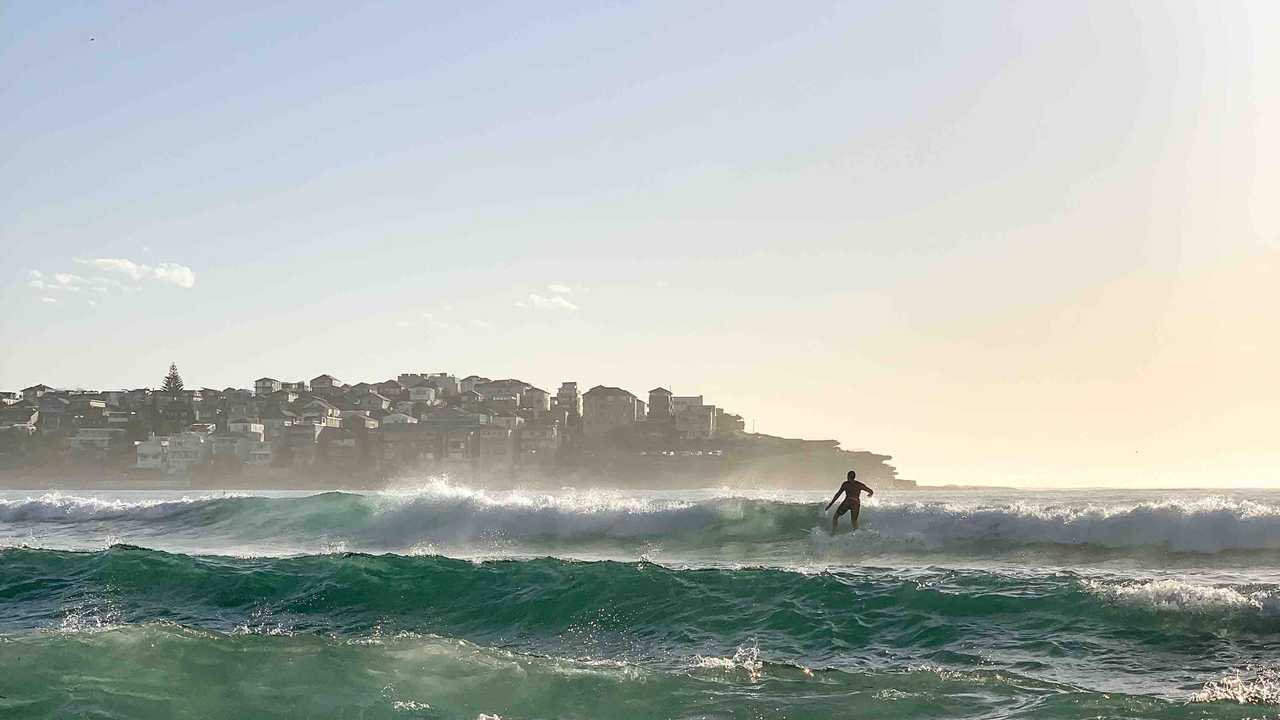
{"points": [[1007, 243]]}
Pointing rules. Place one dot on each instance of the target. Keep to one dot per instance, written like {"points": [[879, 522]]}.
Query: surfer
{"points": [[852, 490]]}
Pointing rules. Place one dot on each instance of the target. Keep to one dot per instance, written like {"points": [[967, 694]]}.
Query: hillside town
{"points": [[431, 421]]}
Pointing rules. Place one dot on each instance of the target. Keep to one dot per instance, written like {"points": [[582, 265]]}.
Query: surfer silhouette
{"points": [[852, 490]]}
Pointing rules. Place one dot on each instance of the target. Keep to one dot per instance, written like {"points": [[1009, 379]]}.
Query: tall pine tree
{"points": [[172, 381]]}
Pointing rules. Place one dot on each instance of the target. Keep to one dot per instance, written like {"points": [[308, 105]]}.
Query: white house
{"points": [[96, 439], [152, 453], [680, 402], [359, 420], [320, 412], [423, 393], [495, 388], [186, 450], [503, 401], [233, 446], [248, 427], [398, 419]]}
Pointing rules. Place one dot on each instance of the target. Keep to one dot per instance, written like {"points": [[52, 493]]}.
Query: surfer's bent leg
{"points": [[844, 508], [853, 514]]}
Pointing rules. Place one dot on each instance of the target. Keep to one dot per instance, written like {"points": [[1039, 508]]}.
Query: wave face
{"points": [[453, 602], [547, 598], [446, 517], [528, 631]]}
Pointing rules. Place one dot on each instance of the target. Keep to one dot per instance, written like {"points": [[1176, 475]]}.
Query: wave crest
{"points": [[1248, 686], [1207, 525], [447, 515], [1180, 596]]}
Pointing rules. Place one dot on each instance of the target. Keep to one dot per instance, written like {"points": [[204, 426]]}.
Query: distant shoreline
{"points": [[291, 479]]}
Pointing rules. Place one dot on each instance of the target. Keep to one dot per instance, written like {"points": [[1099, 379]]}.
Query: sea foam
{"points": [[1250, 685], [1181, 596], [448, 514]]}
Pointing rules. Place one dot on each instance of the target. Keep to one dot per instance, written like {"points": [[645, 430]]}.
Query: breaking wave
{"points": [[441, 513], [1181, 596]]}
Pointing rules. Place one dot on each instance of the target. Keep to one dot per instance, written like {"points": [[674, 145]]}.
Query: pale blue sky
{"points": [[1004, 242]]}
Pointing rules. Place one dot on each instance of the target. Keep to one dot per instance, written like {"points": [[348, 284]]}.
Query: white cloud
{"points": [[560, 289], [180, 275], [542, 302], [105, 284], [65, 282], [48, 300], [57, 281], [403, 323]]}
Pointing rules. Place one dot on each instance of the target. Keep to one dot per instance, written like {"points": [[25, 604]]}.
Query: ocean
{"points": [[440, 600]]}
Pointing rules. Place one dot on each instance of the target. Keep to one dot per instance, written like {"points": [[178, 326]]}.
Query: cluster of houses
{"points": [[413, 419]]}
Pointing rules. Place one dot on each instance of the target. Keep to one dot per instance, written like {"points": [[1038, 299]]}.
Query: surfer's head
{"points": [[852, 475]]}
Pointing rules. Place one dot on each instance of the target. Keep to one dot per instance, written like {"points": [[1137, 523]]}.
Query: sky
{"points": [[1012, 243]]}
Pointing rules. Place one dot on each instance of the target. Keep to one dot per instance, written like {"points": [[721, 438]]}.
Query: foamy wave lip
{"points": [[1207, 525], [746, 657], [1179, 596], [57, 507], [583, 502], [446, 511], [442, 514], [1248, 686]]}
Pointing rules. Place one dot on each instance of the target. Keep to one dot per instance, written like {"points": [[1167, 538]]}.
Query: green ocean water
{"points": [[444, 604]]}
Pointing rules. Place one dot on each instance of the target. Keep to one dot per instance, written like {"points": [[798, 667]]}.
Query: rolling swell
{"points": [[621, 607], [405, 675], [132, 632], [456, 516]]}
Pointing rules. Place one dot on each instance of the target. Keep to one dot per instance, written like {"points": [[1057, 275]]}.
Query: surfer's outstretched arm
{"points": [[870, 492], [834, 498]]}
